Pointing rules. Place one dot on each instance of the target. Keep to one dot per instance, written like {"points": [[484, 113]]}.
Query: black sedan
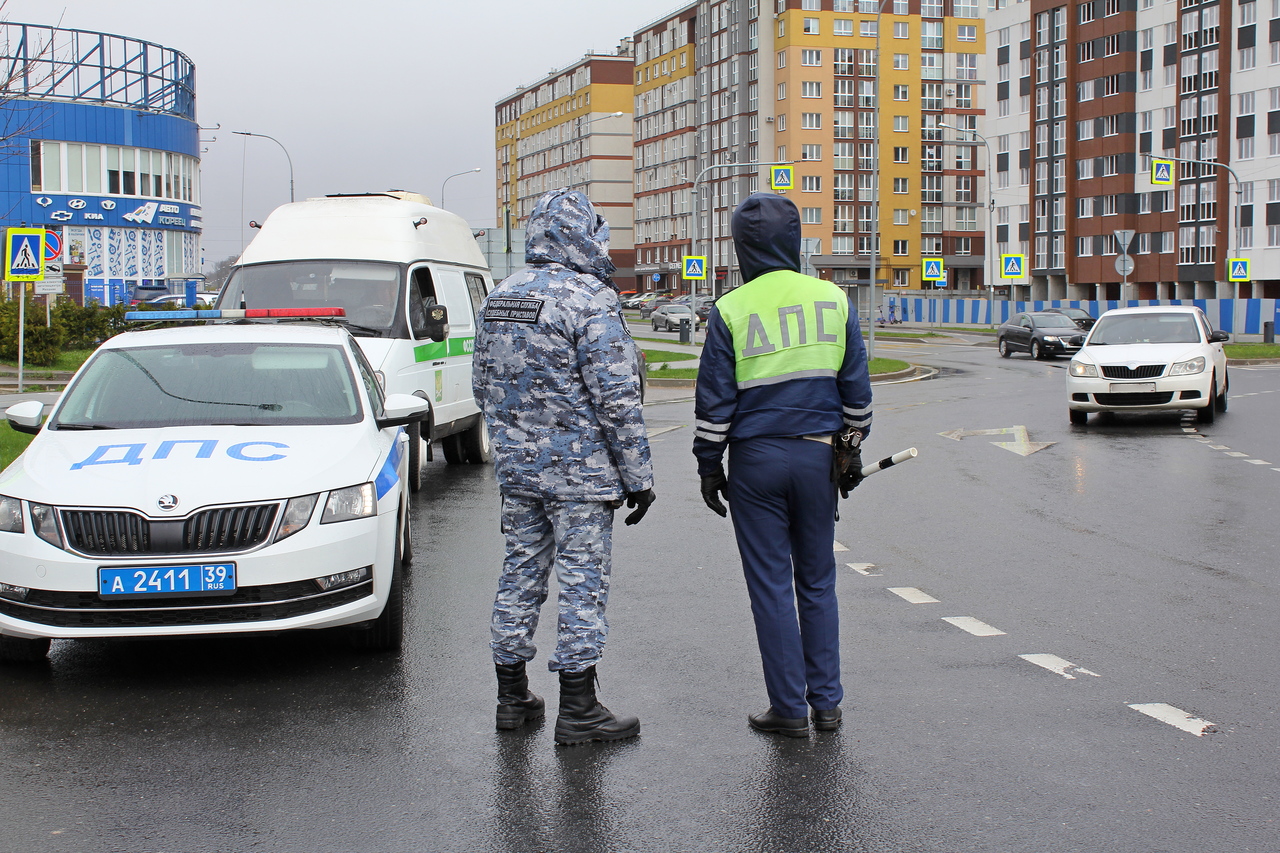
{"points": [[1081, 317], [1043, 334]]}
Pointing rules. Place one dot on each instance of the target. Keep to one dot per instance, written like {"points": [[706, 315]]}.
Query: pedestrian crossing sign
{"points": [[1238, 269], [24, 254], [781, 177], [695, 268], [933, 270], [1161, 172], [1013, 266]]}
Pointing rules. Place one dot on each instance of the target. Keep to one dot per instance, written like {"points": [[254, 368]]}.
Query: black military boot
{"points": [[516, 705], [582, 717]]}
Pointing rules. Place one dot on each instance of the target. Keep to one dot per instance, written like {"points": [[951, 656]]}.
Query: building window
{"points": [[842, 27], [809, 183], [867, 29], [964, 245], [1084, 247], [1086, 12], [782, 91], [967, 33], [901, 92], [901, 186], [1084, 207], [900, 248], [782, 59], [811, 216], [811, 57], [900, 154], [841, 245], [1084, 169], [810, 121], [901, 30], [810, 152], [811, 26], [966, 219], [901, 61], [966, 66], [810, 89], [931, 35], [901, 124]]}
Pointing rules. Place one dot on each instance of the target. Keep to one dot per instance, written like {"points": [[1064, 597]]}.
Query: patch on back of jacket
{"points": [[506, 309]]}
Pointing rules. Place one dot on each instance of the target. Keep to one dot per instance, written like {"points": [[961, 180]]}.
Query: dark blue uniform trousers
{"points": [[783, 504]]}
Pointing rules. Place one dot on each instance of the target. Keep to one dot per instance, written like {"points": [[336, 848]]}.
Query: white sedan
{"points": [[208, 480], [1160, 357]]}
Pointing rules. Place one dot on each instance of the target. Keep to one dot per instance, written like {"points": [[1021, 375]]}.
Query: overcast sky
{"points": [[371, 95]]}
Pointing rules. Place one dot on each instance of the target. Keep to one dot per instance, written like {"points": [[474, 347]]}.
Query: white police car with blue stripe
{"points": [[205, 480]]}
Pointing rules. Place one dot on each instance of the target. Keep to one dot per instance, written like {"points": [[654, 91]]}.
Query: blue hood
{"points": [[766, 235], [565, 229]]}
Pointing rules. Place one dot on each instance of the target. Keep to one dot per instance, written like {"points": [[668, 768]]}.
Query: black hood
{"points": [[766, 235]]}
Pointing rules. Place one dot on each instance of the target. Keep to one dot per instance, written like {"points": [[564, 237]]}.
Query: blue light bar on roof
{"points": [[235, 314]]}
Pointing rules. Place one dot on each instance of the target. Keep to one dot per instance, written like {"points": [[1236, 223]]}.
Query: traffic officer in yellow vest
{"points": [[783, 377]]}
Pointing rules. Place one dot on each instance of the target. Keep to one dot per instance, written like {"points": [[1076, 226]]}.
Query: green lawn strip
{"points": [[877, 366], [658, 357], [11, 444], [664, 341], [1252, 350], [907, 335], [68, 361]]}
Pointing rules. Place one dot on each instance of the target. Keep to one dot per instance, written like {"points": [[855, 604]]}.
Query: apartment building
{"points": [[572, 129], [1086, 93]]}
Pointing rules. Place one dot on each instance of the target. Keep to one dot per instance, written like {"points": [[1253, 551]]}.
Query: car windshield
{"points": [[248, 384], [1145, 329], [368, 291], [1053, 321], [1075, 313]]}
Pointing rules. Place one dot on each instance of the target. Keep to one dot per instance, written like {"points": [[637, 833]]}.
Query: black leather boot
{"points": [[516, 705], [582, 717]]}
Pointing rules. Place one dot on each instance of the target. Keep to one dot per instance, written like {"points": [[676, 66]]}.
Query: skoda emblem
{"points": [[167, 502]]}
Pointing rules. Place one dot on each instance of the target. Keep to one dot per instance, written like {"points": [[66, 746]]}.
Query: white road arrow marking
{"points": [[1175, 717], [1021, 444]]}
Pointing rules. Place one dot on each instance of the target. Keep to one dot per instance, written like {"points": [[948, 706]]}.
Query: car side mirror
{"points": [[1219, 338], [25, 416], [435, 324], [402, 410]]}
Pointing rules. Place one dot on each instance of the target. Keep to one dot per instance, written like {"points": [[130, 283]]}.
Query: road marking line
{"points": [[1218, 447], [1236, 453], [913, 595], [974, 626], [1257, 462], [657, 432], [1175, 717], [864, 569], [1053, 663], [839, 547], [1188, 429]]}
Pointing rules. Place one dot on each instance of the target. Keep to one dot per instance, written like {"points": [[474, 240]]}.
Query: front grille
{"points": [[120, 533], [247, 604], [1142, 371], [1145, 399]]}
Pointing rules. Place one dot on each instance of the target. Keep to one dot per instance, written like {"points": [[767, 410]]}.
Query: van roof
{"points": [[374, 226]]}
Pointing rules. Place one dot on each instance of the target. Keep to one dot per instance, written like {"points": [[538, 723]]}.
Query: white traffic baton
{"points": [[889, 461]]}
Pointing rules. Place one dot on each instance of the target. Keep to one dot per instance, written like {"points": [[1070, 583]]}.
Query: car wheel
{"points": [[1078, 417], [415, 456], [655, 325], [386, 633], [1036, 352], [1207, 414], [22, 650], [1222, 398], [475, 444], [1003, 346], [454, 451], [406, 537]]}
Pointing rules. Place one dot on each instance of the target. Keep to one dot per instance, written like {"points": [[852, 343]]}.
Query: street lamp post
{"points": [[282, 148], [450, 178], [988, 263]]}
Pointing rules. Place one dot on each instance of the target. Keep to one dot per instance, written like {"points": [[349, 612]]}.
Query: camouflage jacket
{"points": [[556, 371]]}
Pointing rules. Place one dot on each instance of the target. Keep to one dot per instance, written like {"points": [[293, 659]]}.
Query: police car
{"points": [[209, 479]]}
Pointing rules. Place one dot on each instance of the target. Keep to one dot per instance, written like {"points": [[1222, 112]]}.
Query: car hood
{"points": [[198, 465], [377, 350], [1140, 353]]}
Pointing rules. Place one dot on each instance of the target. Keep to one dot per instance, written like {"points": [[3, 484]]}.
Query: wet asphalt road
{"points": [[1132, 549]]}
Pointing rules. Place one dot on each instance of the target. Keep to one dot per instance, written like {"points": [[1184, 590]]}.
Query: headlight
{"points": [[1188, 368], [10, 515], [45, 521], [1053, 338], [297, 514], [351, 502], [1083, 368]]}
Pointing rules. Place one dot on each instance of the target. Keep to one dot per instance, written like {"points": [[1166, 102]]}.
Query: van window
{"points": [[475, 287], [422, 292], [369, 291]]}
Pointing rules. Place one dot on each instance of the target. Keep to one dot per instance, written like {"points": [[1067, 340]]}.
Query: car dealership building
{"points": [[99, 144]]}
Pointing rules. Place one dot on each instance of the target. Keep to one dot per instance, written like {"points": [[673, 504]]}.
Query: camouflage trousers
{"points": [[575, 538]]}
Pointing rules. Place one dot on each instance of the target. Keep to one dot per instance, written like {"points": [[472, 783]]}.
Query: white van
{"points": [[389, 259]]}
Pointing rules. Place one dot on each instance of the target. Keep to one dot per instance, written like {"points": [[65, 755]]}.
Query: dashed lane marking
{"points": [[1175, 717], [913, 595], [1257, 462], [1236, 453], [1053, 663], [974, 626], [864, 569], [839, 547]]}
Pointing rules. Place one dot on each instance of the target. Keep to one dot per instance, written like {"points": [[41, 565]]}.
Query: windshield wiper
{"points": [[270, 407], [61, 426], [368, 331]]}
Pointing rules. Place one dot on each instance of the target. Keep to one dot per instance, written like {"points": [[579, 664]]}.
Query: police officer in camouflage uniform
{"points": [[783, 385], [557, 376]]}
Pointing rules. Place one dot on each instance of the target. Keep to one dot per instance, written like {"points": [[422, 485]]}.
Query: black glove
{"points": [[639, 501], [714, 485], [846, 461]]}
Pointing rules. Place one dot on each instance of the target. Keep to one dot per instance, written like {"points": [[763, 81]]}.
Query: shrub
{"points": [[41, 344], [89, 326]]}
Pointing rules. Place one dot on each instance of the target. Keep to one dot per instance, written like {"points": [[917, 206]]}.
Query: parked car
{"points": [[1162, 357], [668, 316], [647, 309], [1043, 334], [1082, 318], [210, 479]]}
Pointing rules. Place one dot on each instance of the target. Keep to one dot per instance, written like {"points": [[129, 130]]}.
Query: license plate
{"points": [[167, 581], [1133, 388]]}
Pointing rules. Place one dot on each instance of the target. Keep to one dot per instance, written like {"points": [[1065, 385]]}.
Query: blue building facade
{"points": [[101, 146]]}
